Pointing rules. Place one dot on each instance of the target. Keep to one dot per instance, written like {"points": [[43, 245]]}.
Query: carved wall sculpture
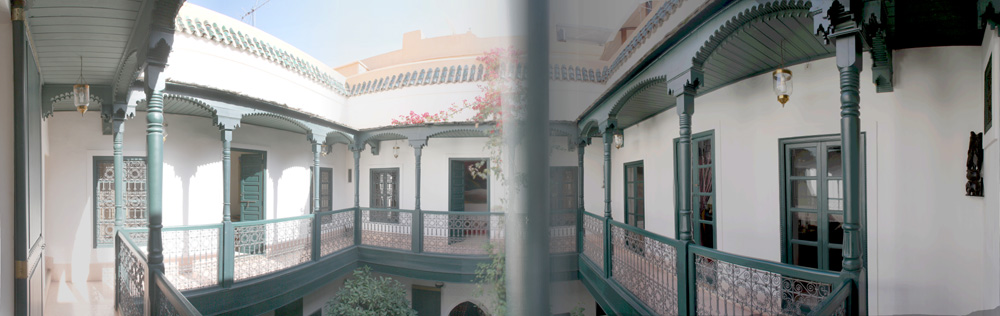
{"points": [[974, 165]]}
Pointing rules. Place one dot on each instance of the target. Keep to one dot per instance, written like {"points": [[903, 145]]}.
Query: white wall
{"points": [[434, 171], [379, 109], [6, 163], [925, 236], [192, 176], [204, 62], [991, 178]]}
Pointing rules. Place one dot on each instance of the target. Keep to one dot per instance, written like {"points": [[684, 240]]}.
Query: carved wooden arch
{"points": [[587, 129], [305, 130], [459, 129], [635, 90], [339, 137], [779, 8], [199, 103]]}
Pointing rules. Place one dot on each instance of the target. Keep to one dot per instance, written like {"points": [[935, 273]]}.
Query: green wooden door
{"points": [[426, 300], [29, 233], [456, 197], [252, 187]]}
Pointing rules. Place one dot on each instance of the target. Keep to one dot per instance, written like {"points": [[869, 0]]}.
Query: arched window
{"points": [[467, 309]]}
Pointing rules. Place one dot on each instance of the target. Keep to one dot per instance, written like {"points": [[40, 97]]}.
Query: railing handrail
{"points": [[593, 215], [324, 213], [783, 269], [275, 220], [464, 213], [194, 227], [173, 296], [839, 296], [648, 234], [387, 209], [131, 244]]}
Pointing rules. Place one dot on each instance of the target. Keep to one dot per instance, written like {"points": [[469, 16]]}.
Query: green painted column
{"points": [[849, 64], [579, 195], [418, 220], [608, 137], [228, 253], [154, 162], [357, 192], [685, 109], [317, 149], [607, 172], [118, 134]]}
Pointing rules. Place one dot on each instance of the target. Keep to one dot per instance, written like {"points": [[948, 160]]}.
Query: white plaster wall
{"points": [[991, 178], [434, 171], [192, 179], [6, 163], [204, 62], [925, 236]]}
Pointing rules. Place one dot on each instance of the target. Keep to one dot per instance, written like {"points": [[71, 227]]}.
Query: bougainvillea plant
{"points": [[500, 91]]}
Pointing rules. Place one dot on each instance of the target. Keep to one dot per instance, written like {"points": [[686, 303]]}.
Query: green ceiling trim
{"points": [[300, 125], [776, 9]]}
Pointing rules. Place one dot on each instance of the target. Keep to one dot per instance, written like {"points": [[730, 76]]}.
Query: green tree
{"points": [[364, 295]]}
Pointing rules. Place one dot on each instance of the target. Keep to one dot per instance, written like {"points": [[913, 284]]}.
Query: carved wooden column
{"points": [[418, 220], [685, 109], [155, 83]]}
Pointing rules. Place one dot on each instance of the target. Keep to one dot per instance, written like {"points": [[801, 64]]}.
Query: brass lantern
{"points": [[618, 138], [782, 84], [81, 92]]}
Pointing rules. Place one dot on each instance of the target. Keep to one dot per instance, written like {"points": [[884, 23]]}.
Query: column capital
{"points": [[226, 122], [316, 139], [609, 124], [418, 143]]}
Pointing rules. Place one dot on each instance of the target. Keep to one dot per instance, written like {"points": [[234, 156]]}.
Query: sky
{"points": [[341, 31]]}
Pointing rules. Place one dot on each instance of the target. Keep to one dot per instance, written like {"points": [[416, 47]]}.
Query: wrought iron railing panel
{"points": [[191, 256], [646, 267], [593, 239], [134, 197], [267, 246], [462, 232], [131, 277], [387, 228], [167, 300], [562, 232], [336, 231], [725, 288]]}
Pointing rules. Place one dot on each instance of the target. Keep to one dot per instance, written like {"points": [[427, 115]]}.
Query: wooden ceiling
{"points": [[63, 31]]}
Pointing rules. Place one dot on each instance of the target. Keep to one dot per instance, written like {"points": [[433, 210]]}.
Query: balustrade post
{"points": [[154, 86], [418, 221], [356, 150], [317, 148]]}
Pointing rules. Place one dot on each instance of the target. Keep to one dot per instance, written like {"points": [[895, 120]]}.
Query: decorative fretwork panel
{"points": [[131, 283], [337, 232], [134, 198], [645, 267], [191, 257], [456, 233], [723, 288], [396, 235], [269, 247], [562, 232], [163, 306], [593, 240]]}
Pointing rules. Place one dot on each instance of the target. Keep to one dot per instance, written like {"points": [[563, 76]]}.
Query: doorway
{"points": [[468, 191], [247, 194]]}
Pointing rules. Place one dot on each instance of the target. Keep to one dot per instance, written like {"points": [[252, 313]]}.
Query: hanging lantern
{"points": [[782, 84], [619, 139], [81, 92]]}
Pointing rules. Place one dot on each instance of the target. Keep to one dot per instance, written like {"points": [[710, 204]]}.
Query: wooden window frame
{"points": [[695, 228], [391, 217], [634, 184]]}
